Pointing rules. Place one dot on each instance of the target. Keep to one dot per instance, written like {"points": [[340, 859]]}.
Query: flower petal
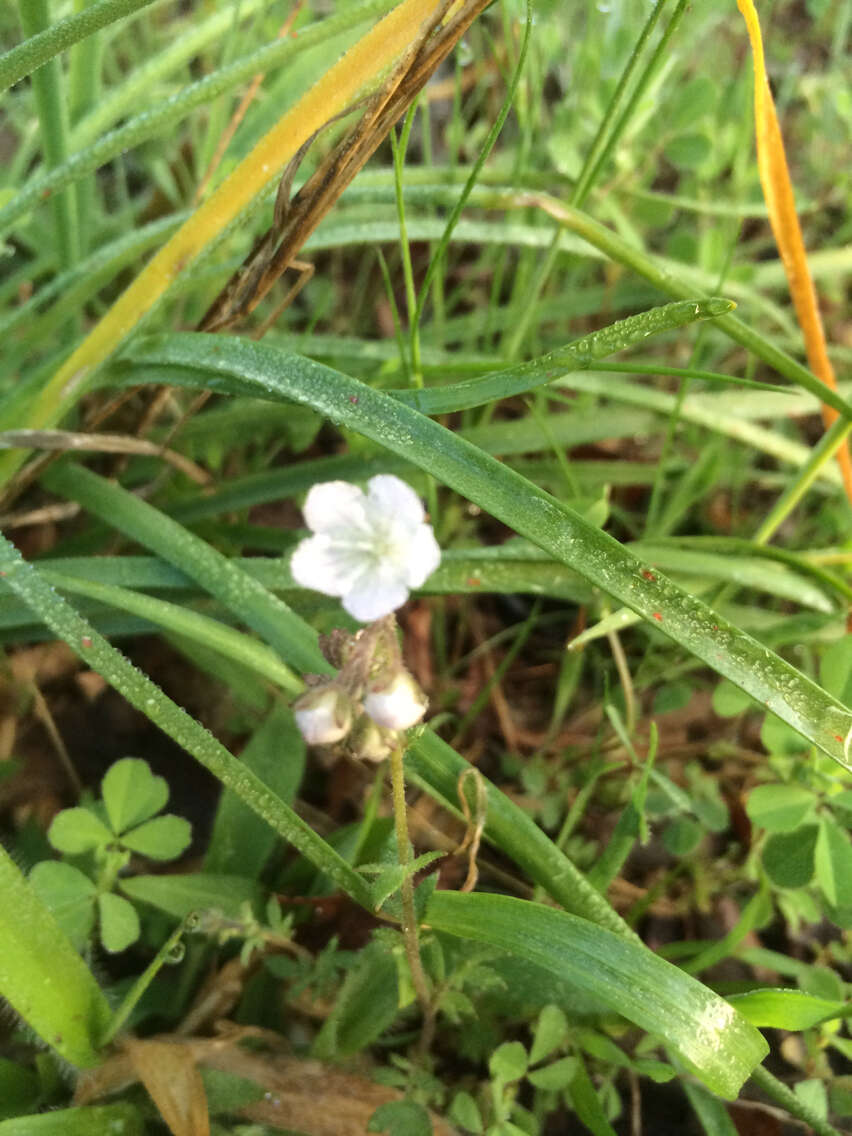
{"points": [[320, 564], [424, 556], [372, 596], [334, 505], [388, 496]]}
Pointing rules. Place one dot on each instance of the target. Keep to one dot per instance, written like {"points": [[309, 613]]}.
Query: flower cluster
{"points": [[370, 699], [369, 549]]}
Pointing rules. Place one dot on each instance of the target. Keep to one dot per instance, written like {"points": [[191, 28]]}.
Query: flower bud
{"points": [[323, 715], [369, 742], [398, 704]]}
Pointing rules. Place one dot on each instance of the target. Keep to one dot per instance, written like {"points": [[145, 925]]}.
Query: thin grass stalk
{"points": [[41, 47], [52, 107]]}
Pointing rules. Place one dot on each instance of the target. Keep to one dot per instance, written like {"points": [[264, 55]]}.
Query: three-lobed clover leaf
{"points": [[131, 795], [109, 830]]}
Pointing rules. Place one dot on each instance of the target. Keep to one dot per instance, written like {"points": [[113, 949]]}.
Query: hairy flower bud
{"points": [[369, 742], [397, 704], [323, 715]]}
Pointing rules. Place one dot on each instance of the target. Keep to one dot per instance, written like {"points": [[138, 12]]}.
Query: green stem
{"points": [[788, 1100], [53, 120], [399, 149], [822, 453], [409, 913], [144, 980]]}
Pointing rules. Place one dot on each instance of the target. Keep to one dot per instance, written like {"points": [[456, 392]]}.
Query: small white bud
{"points": [[398, 705], [323, 715]]}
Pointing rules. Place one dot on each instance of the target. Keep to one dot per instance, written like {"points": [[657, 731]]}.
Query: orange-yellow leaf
{"points": [[778, 194]]}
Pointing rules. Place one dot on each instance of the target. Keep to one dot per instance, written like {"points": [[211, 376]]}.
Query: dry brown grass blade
{"points": [[296, 219], [778, 193]]}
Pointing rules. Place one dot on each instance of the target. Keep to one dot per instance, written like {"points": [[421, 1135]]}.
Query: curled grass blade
{"points": [[240, 367]]}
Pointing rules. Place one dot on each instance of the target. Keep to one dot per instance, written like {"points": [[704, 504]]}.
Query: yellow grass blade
{"points": [[778, 193], [357, 70]]}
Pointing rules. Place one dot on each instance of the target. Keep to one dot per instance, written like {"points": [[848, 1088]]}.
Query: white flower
{"points": [[398, 705], [323, 715], [369, 549]]}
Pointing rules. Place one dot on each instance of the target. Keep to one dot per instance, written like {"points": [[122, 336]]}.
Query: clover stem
{"points": [[409, 915]]}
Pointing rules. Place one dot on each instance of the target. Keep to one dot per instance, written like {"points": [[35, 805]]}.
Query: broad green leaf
{"points": [[119, 923], [711, 1112], [70, 896], [550, 1032], [401, 1118], [688, 150], [121, 1119], [181, 895], [587, 1104], [834, 863], [77, 830], [19, 1088], [788, 857], [682, 836], [132, 793], [786, 1009], [555, 1077], [238, 367], [814, 1094], [366, 1006], [713, 1041], [465, 1112], [163, 838], [42, 976], [226, 1092], [508, 1062], [780, 808]]}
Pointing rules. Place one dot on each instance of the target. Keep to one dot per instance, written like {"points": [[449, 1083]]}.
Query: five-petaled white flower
{"points": [[369, 549]]}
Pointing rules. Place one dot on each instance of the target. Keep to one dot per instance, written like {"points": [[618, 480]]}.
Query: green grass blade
{"points": [[53, 120], [579, 355], [240, 367], [711, 1039], [34, 52]]}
